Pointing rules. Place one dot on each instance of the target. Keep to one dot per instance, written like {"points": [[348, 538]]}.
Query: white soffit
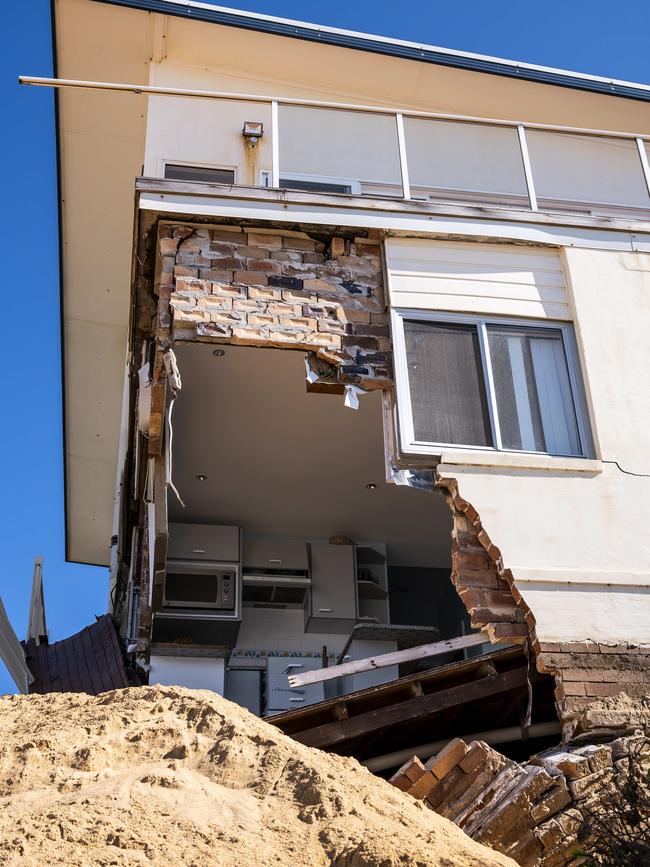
{"points": [[101, 147]]}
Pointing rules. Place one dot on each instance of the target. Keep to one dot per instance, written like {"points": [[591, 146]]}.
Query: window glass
{"points": [[533, 391], [470, 161], [590, 169], [315, 186], [342, 144], [199, 173], [446, 383]]}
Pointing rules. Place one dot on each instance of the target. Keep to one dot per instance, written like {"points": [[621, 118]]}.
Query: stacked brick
{"points": [[274, 287], [492, 600], [587, 672], [536, 813]]}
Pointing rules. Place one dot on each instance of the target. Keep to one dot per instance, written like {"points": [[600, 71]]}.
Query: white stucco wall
{"points": [[578, 543]]}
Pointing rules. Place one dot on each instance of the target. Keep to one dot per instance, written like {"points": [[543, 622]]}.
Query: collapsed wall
{"points": [[322, 291], [564, 801]]}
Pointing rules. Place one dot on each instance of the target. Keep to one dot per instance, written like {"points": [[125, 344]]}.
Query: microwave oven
{"points": [[200, 584]]}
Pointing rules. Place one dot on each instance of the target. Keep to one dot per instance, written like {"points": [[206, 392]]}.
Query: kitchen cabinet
{"points": [[332, 605], [279, 695]]}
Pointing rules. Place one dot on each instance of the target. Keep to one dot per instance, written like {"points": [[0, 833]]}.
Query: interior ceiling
{"points": [[282, 461]]}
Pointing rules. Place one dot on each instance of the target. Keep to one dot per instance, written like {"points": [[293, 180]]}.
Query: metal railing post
{"points": [[275, 144], [403, 162], [645, 167], [528, 172]]}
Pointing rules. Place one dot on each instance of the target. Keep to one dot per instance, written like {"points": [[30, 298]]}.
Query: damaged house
{"points": [[356, 368]]}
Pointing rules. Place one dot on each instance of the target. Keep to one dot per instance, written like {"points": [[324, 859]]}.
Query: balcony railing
{"points": [[411, 155]]}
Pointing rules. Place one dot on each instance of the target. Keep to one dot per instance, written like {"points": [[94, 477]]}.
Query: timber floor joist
{"points": [[487, 692]]}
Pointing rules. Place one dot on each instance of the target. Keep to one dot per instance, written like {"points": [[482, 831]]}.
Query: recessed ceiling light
{"points": [[201, 477], [218, 353], [371, 486]]}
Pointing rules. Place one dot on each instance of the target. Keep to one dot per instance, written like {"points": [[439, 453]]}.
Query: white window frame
{"points": [[164, 161], [410, 445]]}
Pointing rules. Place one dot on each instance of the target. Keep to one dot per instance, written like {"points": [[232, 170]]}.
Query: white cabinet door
{"points": [[279, 695]]}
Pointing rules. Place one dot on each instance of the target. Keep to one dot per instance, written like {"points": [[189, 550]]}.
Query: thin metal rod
{"points": [[528, 172], [403, 161], [645, 167], [491, 396], [341, 106], [495, 736], [275, 144]]}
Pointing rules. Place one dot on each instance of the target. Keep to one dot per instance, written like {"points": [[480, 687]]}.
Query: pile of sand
{"points": [[170, 776]]}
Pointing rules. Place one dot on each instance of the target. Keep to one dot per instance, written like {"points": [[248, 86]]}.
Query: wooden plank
{"points": [[86, 683], [160, 186], [103, 636], [72, 663], [467, 668], [95, 677], [411, 709], [101, 662], [384, 660], [117, 650], [112, 651]]}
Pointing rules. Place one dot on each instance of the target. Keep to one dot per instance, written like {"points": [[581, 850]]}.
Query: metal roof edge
{"points": [[389, 47], [59, 230]]}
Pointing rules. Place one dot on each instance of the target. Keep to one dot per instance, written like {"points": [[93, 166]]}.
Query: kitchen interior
{"points": [[291, 551]]}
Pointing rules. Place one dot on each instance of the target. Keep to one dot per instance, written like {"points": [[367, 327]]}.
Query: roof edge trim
{"points": [[389, 47]]}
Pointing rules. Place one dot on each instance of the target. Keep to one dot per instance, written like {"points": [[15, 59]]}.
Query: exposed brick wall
{"points": [[323, 293], [537, 813], [272, 287], [477, 572], [586, 672]]}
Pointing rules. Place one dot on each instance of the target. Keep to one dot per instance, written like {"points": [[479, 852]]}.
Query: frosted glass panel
{"points": [[446, 384], [587, 169], [476, 159], [328, 144]]}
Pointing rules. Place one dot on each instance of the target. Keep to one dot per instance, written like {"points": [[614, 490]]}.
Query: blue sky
{"points": [[586, 35]]}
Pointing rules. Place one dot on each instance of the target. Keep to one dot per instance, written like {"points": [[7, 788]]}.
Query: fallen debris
{"points": [[613, 716], [164, 775], [539, 813]]}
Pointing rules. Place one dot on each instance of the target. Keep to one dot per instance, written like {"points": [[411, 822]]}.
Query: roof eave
{"points": [[389, 47]]}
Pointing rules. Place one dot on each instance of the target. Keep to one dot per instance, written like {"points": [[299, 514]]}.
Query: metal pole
{"points": [[528, 172], [403, 162], [340, 106], [496, 736], [275, 144], [643, 156]]}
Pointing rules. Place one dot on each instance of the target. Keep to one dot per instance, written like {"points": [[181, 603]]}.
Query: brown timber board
{"points": [[89, 661], [418, 708], [397, 690]]}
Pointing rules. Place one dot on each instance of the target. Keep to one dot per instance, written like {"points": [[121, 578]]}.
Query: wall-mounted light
{"points": [[201, 477], [252, 132], [371, 486], [218, 353]]}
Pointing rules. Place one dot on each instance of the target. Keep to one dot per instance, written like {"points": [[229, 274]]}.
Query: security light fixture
{"points": [[218, 353], [371, 486], [252, 132], [201, 477]]}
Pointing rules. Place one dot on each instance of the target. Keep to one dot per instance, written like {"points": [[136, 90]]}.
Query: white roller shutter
{"points": [[494, 279]]}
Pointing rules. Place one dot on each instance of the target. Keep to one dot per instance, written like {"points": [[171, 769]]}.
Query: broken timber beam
{"points": [[421, 707], [385, 660]]}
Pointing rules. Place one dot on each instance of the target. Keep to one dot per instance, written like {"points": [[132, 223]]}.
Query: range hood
{"points": [[275, 573]]}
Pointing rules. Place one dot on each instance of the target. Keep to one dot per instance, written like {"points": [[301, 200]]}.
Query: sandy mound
{"points": [[169, 776]]}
